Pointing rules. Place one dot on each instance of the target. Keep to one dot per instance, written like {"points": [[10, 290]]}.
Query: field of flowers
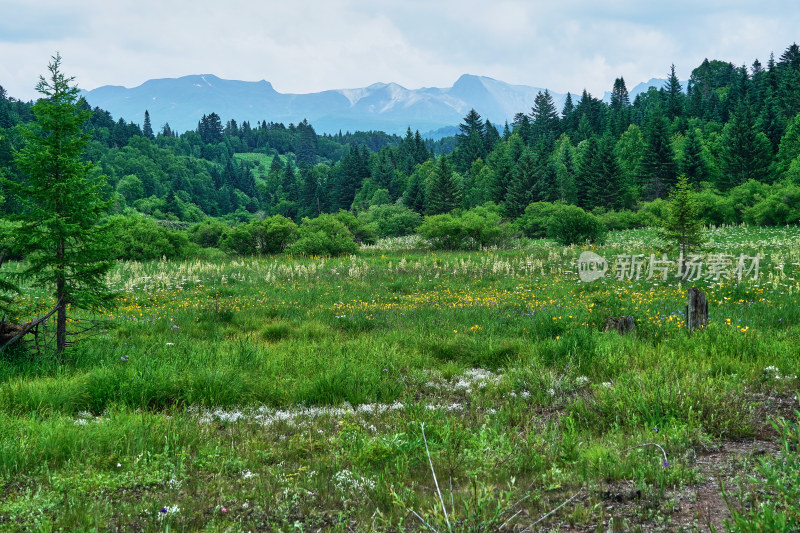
{"points": [[319, 394]]}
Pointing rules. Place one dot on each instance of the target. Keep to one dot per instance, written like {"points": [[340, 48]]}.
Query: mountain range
{"points": [[388, 107]]}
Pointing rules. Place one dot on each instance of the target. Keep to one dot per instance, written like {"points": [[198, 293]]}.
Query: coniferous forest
{"points": [[733, 132]]}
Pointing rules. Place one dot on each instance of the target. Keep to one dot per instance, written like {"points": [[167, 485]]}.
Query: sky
{"points": [[303, 46]]}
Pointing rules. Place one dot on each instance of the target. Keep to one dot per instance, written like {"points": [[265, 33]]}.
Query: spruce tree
{"points": [[521, 188], [659, 158], [683, 225], [65, 245], [147, 129], [444, 190], [692, 163], [746, 153]]}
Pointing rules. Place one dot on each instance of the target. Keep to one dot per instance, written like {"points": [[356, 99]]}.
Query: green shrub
{"points": [[780, 207], [208, 233], [324, 235], [477, 227], [362, 232], [533, 222], [141, 238], [392, 220], [269, 236], [573, 225]]}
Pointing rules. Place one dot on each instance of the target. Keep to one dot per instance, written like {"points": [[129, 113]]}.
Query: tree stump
{"points": [[620, 324], [696, 310]]}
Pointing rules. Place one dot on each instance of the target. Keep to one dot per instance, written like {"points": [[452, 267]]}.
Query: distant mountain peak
{"points": [[388, 107]]}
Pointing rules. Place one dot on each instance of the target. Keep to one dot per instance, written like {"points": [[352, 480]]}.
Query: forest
{"points": [[733, 132]]}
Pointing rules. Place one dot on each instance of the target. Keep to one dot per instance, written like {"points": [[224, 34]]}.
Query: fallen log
{"points": [[11, 333]]}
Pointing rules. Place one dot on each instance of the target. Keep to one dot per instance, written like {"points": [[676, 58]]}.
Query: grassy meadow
{"points": [[318, 394]]}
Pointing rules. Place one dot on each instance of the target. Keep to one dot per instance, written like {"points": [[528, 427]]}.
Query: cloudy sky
{"points": [[311, 45]]}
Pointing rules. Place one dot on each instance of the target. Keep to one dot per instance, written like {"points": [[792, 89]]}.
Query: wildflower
{"points": [[124, 358], [163, 510], [655, 429], [119, 465], [665, 463], [170, 344], [223, 510], [385, 369]]}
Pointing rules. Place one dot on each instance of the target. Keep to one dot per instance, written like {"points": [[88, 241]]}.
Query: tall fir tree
{"points": [[444, 190], [692, 163], [659, 158], [66, 246], [674, 95], [147, 129], [521, 189], [544, 118], [746, 153]]}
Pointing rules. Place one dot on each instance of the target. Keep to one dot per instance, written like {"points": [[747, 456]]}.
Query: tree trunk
{"points": [[696, 310], [61, 318]]}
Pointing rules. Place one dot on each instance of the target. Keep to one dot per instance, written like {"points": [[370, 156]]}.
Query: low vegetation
{"points": [[308, 393]]}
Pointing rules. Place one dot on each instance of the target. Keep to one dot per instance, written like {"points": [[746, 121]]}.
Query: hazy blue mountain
{"points": [[382, 106]]}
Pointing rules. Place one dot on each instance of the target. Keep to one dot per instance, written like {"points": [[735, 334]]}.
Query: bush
{"points": [[475, 228], [620, 220], [269, 236], [392, 220], [573, 225], [361, 231], [533, 222], [140, 239], [324, 235], [208, 233], [780, 207]]}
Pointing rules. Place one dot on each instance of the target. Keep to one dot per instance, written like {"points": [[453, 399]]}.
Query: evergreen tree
{"points": [[444, 190], [607, 189], [61, 237], [565, 170], [544, 118], [147, 129], [659, 159], [521, 188], [470, 142], [746, 153], [588, 172], [620, 107], [491, 136], [414, 197], [674, 95], [692, 163], [683, 224], [569, 120], [630, 152]]}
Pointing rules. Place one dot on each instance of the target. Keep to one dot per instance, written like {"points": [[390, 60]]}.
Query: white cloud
{"points": [[305, 45]]}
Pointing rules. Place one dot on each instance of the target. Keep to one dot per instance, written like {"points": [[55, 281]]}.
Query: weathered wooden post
{"points": [[696, 310], [622, 324]]}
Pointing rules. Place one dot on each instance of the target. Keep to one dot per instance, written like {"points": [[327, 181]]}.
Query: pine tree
{"points": [[746, 153], [620, 107], [61, 237], [444, 190], [544, 118], [683, 225], [606, 190], [147, 129], [692, 163], [521, 188], [659, 158], [674, 95]]}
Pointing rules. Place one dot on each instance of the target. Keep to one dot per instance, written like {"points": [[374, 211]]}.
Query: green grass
{"points": [[292, 391]]}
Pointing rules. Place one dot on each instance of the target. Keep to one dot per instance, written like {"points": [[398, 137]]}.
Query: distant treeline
{"points": [[722, 128]]}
